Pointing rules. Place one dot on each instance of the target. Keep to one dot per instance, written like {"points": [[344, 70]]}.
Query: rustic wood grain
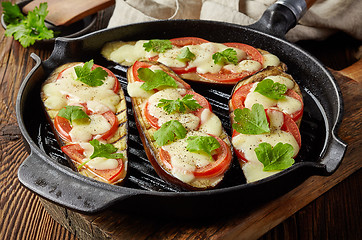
{"points": [[336, 214]]}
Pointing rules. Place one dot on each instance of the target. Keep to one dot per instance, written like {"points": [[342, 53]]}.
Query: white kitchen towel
{"points": [[323, 19]]}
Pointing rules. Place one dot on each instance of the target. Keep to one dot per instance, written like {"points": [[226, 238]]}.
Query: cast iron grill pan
{"points": [[45, 171]]}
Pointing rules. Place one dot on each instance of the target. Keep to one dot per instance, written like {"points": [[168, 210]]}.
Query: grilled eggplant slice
{"points": [[90, 122], [196, 59], [173, 122], [275, 123]]}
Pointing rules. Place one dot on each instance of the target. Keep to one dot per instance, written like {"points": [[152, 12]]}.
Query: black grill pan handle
{"points": [[54, 183], [280, 17]]}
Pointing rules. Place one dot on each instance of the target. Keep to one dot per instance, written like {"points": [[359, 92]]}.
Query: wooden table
{"points": [[322, 207]]}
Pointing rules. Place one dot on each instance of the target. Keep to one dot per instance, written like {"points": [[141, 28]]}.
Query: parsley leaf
{"points": [[72, 113], [12, 13], [179, 105], [271, 89], [90, 77], [202, 144], [102, 150], [226, 56], [277, 158], [30, 28], [155, 79], [169, 131], [185, 55], [252, 121], [157, 45]]}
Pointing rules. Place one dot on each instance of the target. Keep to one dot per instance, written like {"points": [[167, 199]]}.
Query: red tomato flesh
{"points": [[63, 126], [76, 153]]}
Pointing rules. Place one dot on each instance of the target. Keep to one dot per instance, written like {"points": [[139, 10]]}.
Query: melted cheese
{"points": [[287, 105], [184, 162], [270, 60], [82, 132], [210, 123], [128, 54], [253, 169], [134, 90], [67, 91], [98, 163], [244, 65]]}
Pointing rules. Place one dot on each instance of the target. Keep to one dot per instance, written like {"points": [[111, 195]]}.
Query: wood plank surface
{"points": [[323, 207]]}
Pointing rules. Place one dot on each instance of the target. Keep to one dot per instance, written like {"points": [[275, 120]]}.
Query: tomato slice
{"points": [[63, 126], [222, 160], [200, 99], [230, 77], [137, 65], [116, 85], [76, 153], [289, 126], [183, 41], [239, 96]]}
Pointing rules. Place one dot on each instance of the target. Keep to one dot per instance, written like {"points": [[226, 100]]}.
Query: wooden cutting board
{"points": [[66, 12], [112, 224]]}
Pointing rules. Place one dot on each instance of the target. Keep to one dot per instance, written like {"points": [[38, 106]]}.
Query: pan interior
{"points": [[314, 127]]}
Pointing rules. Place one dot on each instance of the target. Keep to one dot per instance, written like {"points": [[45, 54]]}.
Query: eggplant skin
{"points": [[110, 47], [146, 132], [119, 139]]}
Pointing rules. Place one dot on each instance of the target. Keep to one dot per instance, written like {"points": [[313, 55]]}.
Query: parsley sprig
{"points": [[185, 55], [169, 132], [155, 79], [205, 144], [157, 45], [252, 121], [271, 89], [229, 55], [102, 150], [278, 157], [26, 29], [179, 105], [72, 113], [90, 77]]}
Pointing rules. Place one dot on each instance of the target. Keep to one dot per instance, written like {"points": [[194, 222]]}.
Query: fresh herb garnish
{"points": [[185, 55], [155, 79], [102, 150], [12, 13], [226, 56], [252, 121], [72, 113], [204, 144], [169, 131], [271, 89], [277, 158], [90, 77], [157, 45], [179, 105], [26, 29]]}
